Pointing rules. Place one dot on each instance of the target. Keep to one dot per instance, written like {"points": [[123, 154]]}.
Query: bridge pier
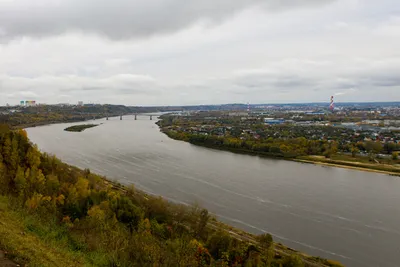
{"points": [[120, 118], [135, 117], [107, 118], [151, 117]]}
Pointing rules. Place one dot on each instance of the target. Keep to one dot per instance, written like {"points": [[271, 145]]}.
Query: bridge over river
{"points": [[135, 115]]}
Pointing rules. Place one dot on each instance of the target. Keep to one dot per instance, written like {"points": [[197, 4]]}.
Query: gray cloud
{"points": [[259, 79], [60, 87], [122, 19], [343, 79], [165, 53]]}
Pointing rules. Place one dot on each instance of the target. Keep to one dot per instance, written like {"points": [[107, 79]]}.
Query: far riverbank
{"points": [[319, 160]]}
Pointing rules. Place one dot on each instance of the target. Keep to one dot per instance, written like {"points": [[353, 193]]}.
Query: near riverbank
{"points": [[77, 218]]}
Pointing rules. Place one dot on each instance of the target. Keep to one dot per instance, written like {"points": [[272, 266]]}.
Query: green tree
{"points": [[274, 149], [373, 147], [389, 147], [202, 223], [14, 157], [219, 243], [3, 179], [7, 149], [265, 240], [20, 181], [293, 261], [395, 155]]}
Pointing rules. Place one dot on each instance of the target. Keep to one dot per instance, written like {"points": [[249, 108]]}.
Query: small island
{"points": [[80, 128]]}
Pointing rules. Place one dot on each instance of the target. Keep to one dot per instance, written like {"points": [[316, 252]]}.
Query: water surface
{"points": [[347, 215]]}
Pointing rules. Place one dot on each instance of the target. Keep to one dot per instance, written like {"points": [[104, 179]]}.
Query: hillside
{"points": [[53, 214]]}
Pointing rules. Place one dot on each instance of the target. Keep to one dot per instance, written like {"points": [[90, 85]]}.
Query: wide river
{"points": [[351, 216]]}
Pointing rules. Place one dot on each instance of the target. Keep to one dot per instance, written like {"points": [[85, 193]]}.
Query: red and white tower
{"points": [[332, 105]]}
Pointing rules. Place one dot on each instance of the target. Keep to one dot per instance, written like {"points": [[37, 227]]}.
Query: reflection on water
{"points": [[347, 215]]}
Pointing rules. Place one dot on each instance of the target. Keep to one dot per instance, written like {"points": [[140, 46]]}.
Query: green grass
{"points": [[384, 165], [80, 128], [27, 240]]}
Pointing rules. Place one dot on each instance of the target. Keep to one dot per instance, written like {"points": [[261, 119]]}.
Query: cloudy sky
{"points": [[180, 52]]}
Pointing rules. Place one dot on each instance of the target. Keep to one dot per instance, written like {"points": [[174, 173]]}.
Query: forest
{"points": [[90, 221]]}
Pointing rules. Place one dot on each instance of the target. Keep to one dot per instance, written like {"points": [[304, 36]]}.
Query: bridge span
{"points": [[136, 115]]}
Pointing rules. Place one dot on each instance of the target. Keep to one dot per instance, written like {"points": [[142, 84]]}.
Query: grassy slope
{"points": [[31, 241], [36, 241], [25, 246]]}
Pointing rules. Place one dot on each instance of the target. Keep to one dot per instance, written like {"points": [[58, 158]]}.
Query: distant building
{"points": [[22, 103], [62, 104], [80, 103], [270, 121], [315, 113], [30, 103]]}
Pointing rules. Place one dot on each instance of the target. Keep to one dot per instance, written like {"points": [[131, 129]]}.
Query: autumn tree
{"points": [[354, 151]]}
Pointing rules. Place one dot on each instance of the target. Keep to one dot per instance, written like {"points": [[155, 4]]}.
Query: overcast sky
{"points": [[181, 52]]}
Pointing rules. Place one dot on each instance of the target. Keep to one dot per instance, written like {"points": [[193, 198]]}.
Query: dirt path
{"points": [[4, 262]]}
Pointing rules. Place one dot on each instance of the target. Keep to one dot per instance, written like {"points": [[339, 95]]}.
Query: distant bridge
{"points": [[136, 115]]}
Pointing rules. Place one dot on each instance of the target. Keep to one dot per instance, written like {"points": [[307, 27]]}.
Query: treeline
{"points": [[36, 119], [40, 115], [113, 226], [289, 148]]}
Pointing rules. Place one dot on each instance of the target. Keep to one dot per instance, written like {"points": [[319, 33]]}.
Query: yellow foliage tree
{"points": [[82, 187], [33, 157], [97, 213], [34, 202]]}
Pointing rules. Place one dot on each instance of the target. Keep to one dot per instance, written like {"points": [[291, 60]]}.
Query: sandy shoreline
{"points": [[338, 165]]}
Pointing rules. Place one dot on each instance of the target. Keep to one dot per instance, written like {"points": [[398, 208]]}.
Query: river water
{"points": [[346, 215]]}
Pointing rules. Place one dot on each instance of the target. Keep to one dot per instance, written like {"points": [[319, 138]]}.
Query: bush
{"points": [[293, 261], [265, 240], [219, 243]]}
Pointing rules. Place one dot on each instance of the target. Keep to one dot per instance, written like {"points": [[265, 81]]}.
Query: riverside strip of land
{"points": [[319, 144]]}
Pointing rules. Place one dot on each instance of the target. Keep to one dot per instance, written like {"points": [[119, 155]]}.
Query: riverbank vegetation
{"points": [[24, 116], [328, 145], [80, 128], [55, 213]]}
